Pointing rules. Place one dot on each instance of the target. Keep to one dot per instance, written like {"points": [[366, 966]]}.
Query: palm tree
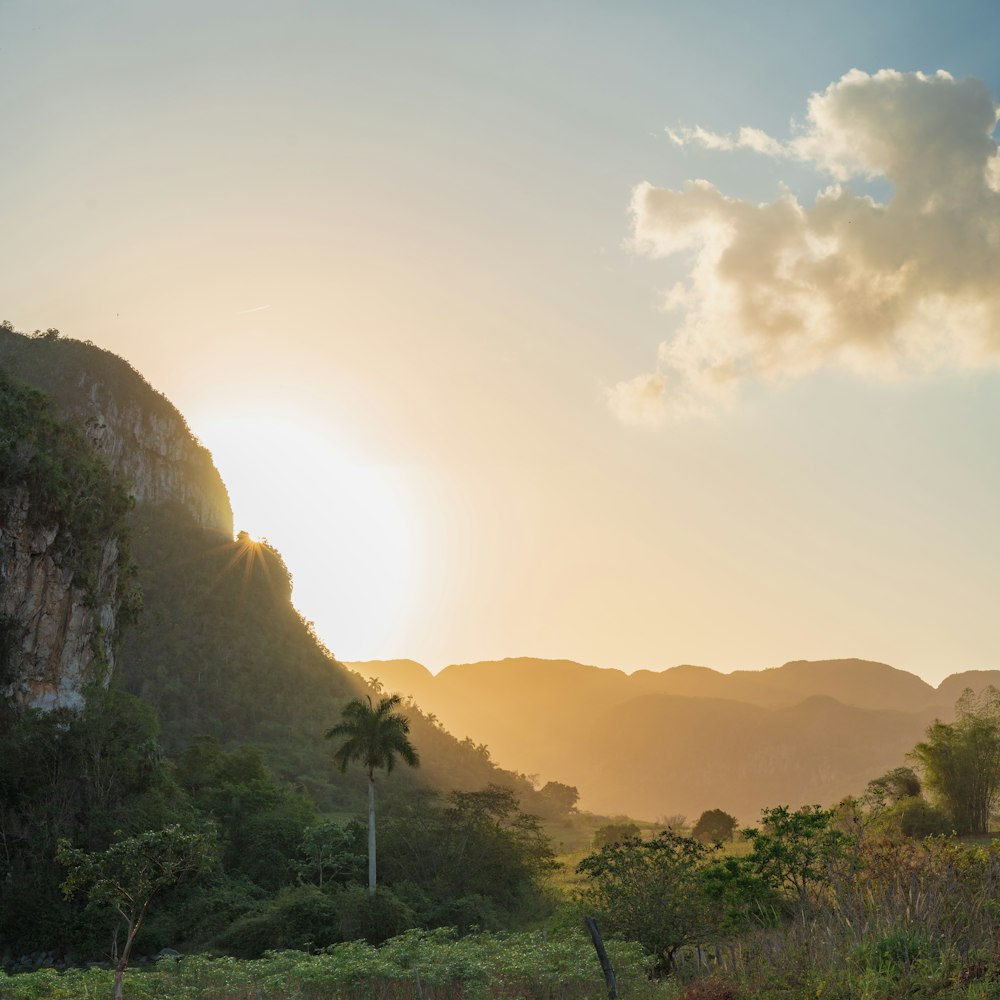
{"points": [[375, 736]]}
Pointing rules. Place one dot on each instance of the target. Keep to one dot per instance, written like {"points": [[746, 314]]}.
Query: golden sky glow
{"points": [[540, 331]]}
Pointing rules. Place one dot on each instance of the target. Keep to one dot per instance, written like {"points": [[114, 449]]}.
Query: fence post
{"points": [[602, 954]]}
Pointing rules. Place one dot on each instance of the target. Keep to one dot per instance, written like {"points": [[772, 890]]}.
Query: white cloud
{"points": [[780, 288]]}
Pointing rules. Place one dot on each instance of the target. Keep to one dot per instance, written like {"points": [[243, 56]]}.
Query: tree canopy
{"points": [[961, 761]]}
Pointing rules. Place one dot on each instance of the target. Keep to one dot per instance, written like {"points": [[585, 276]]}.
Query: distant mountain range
{"points": [[688, 738]]}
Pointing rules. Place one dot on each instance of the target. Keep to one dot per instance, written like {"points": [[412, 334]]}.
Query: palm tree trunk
{"points": [[371, 834]]}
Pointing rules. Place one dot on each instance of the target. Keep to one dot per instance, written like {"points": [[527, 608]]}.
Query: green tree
{"points": [[961, 761], [714, 826], [794, 850], [129, 874], [374, 736], [476, 857], [653, 892], [892, 787]]}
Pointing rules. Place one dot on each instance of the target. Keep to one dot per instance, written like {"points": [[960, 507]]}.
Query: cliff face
{"points": [[59, 632], [140, 434], [64, 557], [155, 454]]}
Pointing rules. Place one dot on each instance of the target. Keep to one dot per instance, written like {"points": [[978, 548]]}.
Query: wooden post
{"points": [[602, 954]]}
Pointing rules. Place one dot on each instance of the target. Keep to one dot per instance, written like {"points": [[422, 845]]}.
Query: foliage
{"points": [[126, 876], [714, 826], [961, 761], [434, 965], [71, 490], [557, 799], [916, 817], [652, 892], [614, 833], [301, 917], [892, 787], [261, 823], [333, 852], [794, 850], [78, 776], [374, 736], [471, 859]]}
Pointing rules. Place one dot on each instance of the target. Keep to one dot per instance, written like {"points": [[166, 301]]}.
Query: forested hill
{"points": [[218, 647]]}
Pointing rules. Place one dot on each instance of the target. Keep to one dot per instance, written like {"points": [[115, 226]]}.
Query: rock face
{"points": [[63, 568], [60, 634], [154, 453], [139, 432]]}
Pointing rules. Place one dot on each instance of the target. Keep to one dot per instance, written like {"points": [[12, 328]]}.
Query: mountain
{"points": [[687, 738], [217, 647]]}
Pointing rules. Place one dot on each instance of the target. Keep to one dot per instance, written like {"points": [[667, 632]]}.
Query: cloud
{"points": [[780, 289]]}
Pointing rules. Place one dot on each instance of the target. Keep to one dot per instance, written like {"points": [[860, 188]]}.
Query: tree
{"points": [[795, 850], [374, 736], [614, 833], [476, 857], [560, 799], [961, 761], [892, 787], [714, 826], [129, 874], [653, 892]]}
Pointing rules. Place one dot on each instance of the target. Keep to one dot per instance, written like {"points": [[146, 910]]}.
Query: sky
{"points": [[637, 333]]}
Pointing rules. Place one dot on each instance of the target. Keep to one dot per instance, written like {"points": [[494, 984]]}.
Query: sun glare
{"points": [[345, 529]]}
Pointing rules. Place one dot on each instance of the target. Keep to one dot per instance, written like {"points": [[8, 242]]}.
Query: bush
{"points": [[302, 917], [916, 817], [714, 826], [372, 918], [614, 833]]}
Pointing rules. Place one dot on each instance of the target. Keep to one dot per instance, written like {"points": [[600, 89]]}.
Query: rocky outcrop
{"points": [[59, 630], [154, 453], [138, 431], [64, 560]]}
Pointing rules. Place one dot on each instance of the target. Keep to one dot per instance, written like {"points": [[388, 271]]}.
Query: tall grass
{"points": [[894, 919]]}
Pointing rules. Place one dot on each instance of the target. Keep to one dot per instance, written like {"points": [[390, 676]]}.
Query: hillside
{"points": [[218, 648], [687, 738]]}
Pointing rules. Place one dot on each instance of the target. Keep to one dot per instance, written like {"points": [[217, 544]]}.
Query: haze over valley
{"points": [[687, 739]]}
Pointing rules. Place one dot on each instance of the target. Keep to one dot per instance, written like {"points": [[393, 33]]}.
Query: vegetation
{"points": [[614, 833], [126, 876], [652, 891], [220, 650], [373, 736], [852, 901], [714, 826], [433, 965], [961, 761], [72, 492]]}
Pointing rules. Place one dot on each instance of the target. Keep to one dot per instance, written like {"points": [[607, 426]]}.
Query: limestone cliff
{"points": [[59, 630], [139, 432], [154, 453], [64, 558]]}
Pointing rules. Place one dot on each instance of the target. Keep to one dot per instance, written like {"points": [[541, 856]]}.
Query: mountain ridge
{"points": [[568, 721]]}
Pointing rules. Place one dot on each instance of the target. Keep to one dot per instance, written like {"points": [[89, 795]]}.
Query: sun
{"points": [[347, 530]]}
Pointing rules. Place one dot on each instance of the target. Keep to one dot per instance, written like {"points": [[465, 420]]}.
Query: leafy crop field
{"points": [[434, 966]]}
